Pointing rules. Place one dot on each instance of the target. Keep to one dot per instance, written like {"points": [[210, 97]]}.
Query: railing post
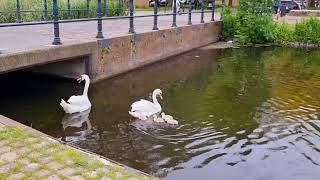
{"points": [[18, 12], [202, 11], [56, 40], [120, 7], [88, 10], [222, 2], [174, 17], [99, 34], [45, 10], [105, 8], [155, 17], [69, 9], [189, 13], [213, 7], [131, 28]]}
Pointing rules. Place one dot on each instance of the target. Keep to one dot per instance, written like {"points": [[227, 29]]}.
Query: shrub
{"points": [[229, 23], [284, 34]]}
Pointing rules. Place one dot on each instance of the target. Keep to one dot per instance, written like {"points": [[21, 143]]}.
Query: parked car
{"points": [[289, 5], [161, 3]]}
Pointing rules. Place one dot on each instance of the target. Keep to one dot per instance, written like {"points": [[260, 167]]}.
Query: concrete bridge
{"points": [[29, 47]]}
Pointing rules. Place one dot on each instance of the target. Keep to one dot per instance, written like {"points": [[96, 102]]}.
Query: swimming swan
{"points": [[78, 103], [143, 109]]}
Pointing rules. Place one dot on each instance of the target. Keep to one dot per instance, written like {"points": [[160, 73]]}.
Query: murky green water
{"points": [[243, 114]]}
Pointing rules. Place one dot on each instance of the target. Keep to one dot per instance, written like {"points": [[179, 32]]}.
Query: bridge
{"points": [[104, 46]]}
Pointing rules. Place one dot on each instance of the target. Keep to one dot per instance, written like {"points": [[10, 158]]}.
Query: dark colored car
{"points": [[286, 6], [161, 3]]}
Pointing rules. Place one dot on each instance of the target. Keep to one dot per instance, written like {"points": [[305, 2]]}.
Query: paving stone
{"points": [[92, 174], [55, 166], [44, 160], [34, 155], [67, 171], [16, 176], [7, 167], [103, 170], [17, 144], [31, 167], [3, 142], [9, 156], [40, 145], [23, 150], [53, 177], [119, 175], [105, 178], [76, 178], [24, 161], [133, 178], [31, 140], [42, 173], [4, 149]]}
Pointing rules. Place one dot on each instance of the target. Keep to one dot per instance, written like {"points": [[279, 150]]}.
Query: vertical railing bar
{"points": [[120, 7], [99, 15], [131, 25], [56, 40], [88, 6], [202, 11], [174, 16], [155, 17], [213, 8], [105, 8], [69, 9], [45, 10], [18, 12], [189, 12]]}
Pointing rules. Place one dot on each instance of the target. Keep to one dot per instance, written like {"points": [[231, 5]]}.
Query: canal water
{"points": [[249, 113]]}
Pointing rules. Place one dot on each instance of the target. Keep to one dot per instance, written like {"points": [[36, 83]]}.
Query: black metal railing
{"points": [[101, 15]]}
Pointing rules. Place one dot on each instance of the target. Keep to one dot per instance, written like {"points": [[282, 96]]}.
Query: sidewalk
{"points": [[25, 154]]}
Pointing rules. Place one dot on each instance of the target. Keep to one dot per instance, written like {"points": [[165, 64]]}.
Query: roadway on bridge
{"points": [[22, 38]]}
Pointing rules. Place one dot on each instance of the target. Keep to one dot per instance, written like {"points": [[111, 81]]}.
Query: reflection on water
{"points": [[77, 120], [243, 114]]}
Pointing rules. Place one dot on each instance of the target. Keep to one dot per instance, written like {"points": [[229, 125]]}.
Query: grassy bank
{"points": [[38, 5]]}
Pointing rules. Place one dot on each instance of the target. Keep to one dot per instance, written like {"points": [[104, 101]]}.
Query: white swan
{"points": [[169, 119], [157, 119], [78, 103], [143, 109]]}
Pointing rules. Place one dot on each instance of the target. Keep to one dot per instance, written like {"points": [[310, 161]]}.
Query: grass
{"points": [[66, 156], [38, 5]]}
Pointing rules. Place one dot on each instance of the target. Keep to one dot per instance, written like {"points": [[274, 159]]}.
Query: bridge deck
{"points": [[15, 39]]}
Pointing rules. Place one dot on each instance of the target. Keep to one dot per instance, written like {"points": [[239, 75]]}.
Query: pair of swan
{"points": [[144, 110]]}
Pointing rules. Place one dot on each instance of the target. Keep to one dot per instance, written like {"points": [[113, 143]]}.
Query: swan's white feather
{"points": [[76, 99], [146, 107]]}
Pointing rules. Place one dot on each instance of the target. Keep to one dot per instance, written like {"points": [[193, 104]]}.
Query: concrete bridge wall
{"points": [[105, 58]]}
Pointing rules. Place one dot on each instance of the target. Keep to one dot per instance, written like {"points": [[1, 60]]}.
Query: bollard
{"points": [[202, 11], [56, 40], [105, 8], [45, 10], [18, 12], [69, 9], [174, 17], [88, 10], [99, 34], [189, 13], [155, 17], [131, 28], [213, 7]]}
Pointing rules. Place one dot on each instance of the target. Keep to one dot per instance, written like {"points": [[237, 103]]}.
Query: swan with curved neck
{"points": [[79, 103], [144, 109]]}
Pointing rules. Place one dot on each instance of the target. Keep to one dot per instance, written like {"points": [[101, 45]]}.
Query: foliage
{"points": [[251, 24], [229, 23], [38, 5]]}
